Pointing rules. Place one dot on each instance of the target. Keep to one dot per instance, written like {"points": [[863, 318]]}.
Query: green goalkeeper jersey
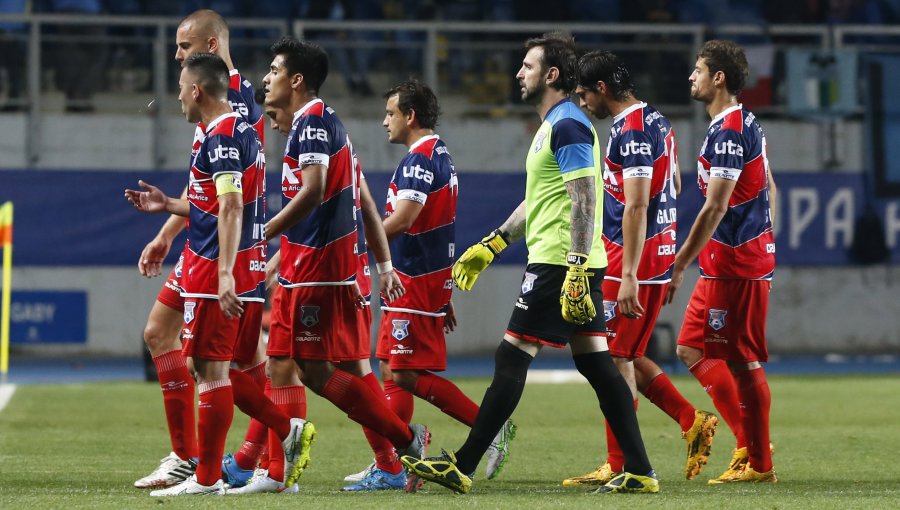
{"points": [[564, 148]]}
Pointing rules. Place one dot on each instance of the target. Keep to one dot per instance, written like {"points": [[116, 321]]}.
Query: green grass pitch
{"points": [[837, 440]]}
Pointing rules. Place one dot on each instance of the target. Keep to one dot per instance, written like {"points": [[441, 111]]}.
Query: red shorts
{"points": [[318, 323], [207, 334], [170, 293], [412, 341], [727, 319], [628, 338], [280, 324]]}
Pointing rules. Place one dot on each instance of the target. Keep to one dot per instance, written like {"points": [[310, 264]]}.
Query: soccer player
{"points": [[202, 31], [315, 324], [725, 322], [562, 205], [420, 220], [224, 272], [641, 183]]}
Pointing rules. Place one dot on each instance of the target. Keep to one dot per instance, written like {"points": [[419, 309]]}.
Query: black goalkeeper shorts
{"points": [[537, 316]]}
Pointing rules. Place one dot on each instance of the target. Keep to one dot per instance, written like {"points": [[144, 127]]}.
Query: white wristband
{"points": [[384, 267]]}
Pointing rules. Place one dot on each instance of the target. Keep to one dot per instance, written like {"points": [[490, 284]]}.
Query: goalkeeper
{"points": [[561, 220]]}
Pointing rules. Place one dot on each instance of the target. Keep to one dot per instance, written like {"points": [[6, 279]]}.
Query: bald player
{"points": [[202, 31]]}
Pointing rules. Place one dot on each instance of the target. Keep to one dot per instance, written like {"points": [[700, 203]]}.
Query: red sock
{"points": [[663, 394], [264, 454], [351, 395], [216, 410], [716, 379], [292, 401], [614, 456], [757, 399], [257, 433], [258, 374], [251, 400], [178, 399], [385, 456], [444, 395], [399, 400]]}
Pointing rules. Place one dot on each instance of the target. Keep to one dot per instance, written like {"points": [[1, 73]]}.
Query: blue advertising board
{"points": [[815, 221], [41, 317]]}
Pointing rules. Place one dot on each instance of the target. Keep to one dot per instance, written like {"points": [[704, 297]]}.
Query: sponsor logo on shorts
{"points": [[186, 334], [307, 336], [715, 339], [609, 310], [401, 329], [520, 303], [309, 315], [717, 318], [171, 285], [189, 312], [401, 349], [528, 282]]}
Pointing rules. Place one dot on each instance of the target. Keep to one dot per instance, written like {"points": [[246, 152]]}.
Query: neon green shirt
{"points": [[564, 148]]}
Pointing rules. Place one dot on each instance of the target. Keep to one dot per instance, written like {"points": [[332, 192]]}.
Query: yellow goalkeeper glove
{"points": [[575, 298], [476, 259]]}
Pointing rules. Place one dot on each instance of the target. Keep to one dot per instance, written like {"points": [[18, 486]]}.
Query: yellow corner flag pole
{"points": [[6, 226]]}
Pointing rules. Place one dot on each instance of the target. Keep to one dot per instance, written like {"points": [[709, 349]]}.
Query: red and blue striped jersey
{"points": [[423, 255], [321, 249], [641, 146], [743, 245], [229, 147]]}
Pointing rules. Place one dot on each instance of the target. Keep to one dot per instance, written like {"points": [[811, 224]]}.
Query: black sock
{"points": [[617, 405], [500, 400]]}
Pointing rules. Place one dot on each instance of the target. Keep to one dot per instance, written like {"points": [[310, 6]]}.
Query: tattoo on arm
{"points": [[514, 226], [583, 193]]}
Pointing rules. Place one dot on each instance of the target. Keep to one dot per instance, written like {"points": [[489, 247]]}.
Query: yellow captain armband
{"points": [[228, 183]]}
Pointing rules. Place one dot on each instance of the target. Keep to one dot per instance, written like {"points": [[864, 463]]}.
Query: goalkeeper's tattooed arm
{"points": [[583, 193], [514, 226]]}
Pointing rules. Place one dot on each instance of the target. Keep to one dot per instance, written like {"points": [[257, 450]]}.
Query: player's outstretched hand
{"points": [[575, 297], [476, 259], [450, 319], [152, 257], [391, 288], [151, 200], [228, 300]]}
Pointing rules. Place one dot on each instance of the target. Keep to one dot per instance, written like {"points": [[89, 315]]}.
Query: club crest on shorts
{"points": [[528, 282], [309, 315], [189, 311], [401, 329], [609, 310], [717, 318]]}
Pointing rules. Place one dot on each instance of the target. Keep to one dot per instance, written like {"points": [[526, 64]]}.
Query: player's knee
{"points": [[159, 339], [406, 379], [688, 355]]}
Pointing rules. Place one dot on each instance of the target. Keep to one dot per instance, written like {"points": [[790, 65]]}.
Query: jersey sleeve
{"points": [[415, 178], [727, 157], [224, 155], [572, 144], [636, 150], [313, 141]]}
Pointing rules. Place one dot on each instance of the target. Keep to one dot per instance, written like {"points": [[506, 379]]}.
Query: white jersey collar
{"points": [[725, 112], [628, 110], [422, 140], [219, 119], [305, 107]]}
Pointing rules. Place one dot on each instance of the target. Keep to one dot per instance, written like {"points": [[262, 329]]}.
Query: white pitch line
{"points": [[554, 377], [6, 393]]}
